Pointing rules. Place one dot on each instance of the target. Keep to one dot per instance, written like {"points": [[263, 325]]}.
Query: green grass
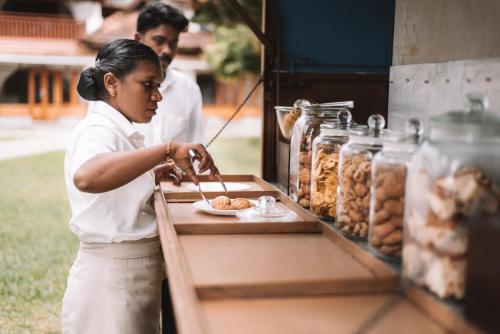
{"points": [[236, 155], [36, 246]]}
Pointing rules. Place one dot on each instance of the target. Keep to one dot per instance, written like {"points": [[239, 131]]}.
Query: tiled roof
{"points": [[122, 25], [43, 46]]}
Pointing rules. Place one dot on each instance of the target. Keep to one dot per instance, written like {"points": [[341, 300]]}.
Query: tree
{"points": [[235, 50]]}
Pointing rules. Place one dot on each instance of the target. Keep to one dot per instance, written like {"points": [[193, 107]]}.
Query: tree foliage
{"points": [[220, 12], [235, 50]]}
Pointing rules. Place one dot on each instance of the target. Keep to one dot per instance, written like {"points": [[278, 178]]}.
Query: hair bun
{"points": [[87, 85]]}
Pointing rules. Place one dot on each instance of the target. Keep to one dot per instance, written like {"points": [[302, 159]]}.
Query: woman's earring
{"points": [[113, 93]]}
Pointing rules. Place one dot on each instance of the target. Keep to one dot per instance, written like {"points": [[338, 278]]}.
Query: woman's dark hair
{"points": [[156, 13], [119, 57]]}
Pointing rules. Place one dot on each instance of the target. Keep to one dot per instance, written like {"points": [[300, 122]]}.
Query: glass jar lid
{"points": [[301, 103], [373, 135], [341, 125], [297, 105], [405, 141], [327, 110], [473, 124]]}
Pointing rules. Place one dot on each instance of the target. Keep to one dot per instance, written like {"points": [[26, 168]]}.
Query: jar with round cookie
{"points": [[453, 180], [353, 191], [306, 128], [304, 125], [387, 192], [325, 152]]}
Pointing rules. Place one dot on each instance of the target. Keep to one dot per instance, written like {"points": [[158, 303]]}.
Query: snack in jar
{"points": [[287, 116], [353, 195], [453, 180], [387, 193], [325, 152], [306, 128]]}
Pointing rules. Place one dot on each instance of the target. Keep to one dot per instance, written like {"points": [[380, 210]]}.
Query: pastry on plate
{"points": [[221, 203], [240, 204]]}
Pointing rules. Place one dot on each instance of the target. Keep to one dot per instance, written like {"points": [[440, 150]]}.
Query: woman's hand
{"points": [[166, 171], [179, 152]]}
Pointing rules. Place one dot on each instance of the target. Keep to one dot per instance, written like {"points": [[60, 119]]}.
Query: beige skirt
{"points": [[114, 288]]}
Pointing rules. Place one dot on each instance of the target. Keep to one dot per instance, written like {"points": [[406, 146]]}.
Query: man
{"points": [[179, 115]]}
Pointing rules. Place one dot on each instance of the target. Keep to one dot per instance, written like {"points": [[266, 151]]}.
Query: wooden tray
{"points": [[185, 192], [189, 220], [398, 312], [381, 313], [288, 264]]}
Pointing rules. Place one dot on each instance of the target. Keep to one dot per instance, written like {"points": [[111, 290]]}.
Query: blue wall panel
{"points": [[336, 35]]}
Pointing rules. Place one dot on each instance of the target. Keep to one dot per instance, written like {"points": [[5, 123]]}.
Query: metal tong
{"points": [[193, 156], [341, 104]]}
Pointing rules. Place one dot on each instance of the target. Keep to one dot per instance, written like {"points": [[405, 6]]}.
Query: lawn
{"points": [[236, 155], [36, 246]]}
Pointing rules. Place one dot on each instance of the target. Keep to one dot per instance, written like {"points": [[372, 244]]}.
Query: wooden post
{"points": [[57, 94], [31, 91], [44, 92], [73, 100]]}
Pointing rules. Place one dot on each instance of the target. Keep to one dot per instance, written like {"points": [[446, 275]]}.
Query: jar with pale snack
{"points": [[306, 128], [353, 196], [387, 193], [325, 152], [453, 181]]}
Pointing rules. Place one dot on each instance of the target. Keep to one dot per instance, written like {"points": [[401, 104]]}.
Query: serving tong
{"points": [[341, 104], [193, 156]]}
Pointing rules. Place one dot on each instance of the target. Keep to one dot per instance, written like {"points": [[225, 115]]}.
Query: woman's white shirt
{"points": [[116, 215]]}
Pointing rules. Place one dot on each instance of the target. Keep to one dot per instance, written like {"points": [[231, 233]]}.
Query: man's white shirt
{"points": [[179, 115]]}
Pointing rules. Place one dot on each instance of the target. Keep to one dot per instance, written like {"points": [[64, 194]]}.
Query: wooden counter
{"points": [[231, 276]]}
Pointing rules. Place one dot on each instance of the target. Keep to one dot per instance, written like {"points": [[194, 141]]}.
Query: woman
{"points": [[114, 283]]}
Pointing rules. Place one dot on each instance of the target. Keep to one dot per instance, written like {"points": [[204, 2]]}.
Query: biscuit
{"points": [[221, 202]]}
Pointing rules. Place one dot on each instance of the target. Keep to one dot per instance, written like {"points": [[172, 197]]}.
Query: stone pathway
{"points": [[21, 137]]}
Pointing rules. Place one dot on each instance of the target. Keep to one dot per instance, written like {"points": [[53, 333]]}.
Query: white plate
{"points": [[203, 206], [216, 186]]}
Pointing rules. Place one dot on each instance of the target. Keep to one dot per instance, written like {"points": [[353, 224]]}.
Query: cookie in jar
{"points": [[453, 182], [300, 154], [389, 169], [353, 195], [326, 156]]}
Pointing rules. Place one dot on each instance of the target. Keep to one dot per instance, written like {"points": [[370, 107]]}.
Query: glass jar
{"points": [[287, 116], [453, 179], [306, 128], [353, 195], [325, 152], [387, 192]]}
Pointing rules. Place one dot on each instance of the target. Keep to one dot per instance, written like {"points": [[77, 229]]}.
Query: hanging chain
{"points": [[261, 79]]}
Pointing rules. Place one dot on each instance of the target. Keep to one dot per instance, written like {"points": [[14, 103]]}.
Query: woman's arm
{"points": [[108, 171]]}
